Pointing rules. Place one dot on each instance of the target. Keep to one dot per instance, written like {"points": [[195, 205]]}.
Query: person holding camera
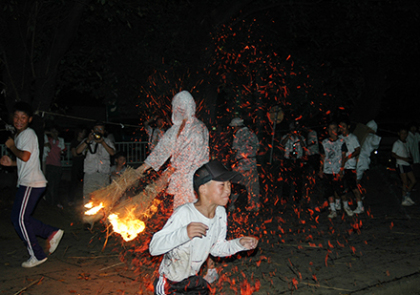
{"points": [[294, 146], [98, 150]]}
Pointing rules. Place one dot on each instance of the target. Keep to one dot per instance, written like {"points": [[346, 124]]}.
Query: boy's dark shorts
{"points": [[194, 285], [332, 183], [404, 168], [349, 179]]}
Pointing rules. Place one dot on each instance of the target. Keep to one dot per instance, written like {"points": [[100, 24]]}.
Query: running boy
{"points": [[31, 185], [403, 159], [333, 151], [196, 230]]}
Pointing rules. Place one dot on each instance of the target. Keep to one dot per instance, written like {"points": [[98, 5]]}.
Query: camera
{"points": [[97, 136]]}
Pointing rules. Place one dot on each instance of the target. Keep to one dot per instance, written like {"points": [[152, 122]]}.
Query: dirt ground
{"points": [[301, 251]]}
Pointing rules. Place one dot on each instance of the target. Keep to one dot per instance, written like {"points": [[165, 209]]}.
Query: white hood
{"points": [[372, 125], [183, 107]]}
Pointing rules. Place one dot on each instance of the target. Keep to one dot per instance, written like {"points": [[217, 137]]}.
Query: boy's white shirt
{"points": [[352, 143], [29, 173], [333, 155], [184, 257], [400, 149]]}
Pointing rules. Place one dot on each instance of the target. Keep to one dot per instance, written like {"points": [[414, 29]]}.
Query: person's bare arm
{"points": [[109, 149], [321, 166], [400, 158], [343, 162], [23, 155], [81, 147]]}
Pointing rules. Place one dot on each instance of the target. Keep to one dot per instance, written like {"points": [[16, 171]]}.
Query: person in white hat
{"points": [[370, 144], [245, 146]]}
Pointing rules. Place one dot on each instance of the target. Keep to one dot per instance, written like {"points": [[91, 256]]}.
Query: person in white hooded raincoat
{"points": [[186, 143], [370, 144]]}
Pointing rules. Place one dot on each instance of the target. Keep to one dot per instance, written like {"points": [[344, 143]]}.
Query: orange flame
{"points": [[128, 227], [93, 210]]}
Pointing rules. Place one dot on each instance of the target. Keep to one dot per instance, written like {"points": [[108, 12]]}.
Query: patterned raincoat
{"points": [[188, 148]]}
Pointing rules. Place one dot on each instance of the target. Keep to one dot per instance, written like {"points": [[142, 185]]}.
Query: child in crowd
{"points": [[333, 151], [350, 163], [120, 160], [31, 185], [196, 230], [401, 154], [294, 146]]}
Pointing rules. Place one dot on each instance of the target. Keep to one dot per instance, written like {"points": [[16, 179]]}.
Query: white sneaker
{"points": [[359, 210], [338, 206], [55, 239], [333, 214], [409, 200], [32, 262], [211, 275], [406, 203], [348, 211]]}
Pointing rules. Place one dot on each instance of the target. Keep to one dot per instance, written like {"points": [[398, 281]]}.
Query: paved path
{"points": [[300, 251]]}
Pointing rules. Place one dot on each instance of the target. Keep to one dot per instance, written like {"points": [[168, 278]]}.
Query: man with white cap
{"points": [[370, 144], [245, 146]]}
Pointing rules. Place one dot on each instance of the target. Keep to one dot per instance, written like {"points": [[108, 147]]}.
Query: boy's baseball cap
{"points": [[214, 170]]}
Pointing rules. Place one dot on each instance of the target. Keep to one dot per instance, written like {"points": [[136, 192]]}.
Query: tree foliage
{"points": [[313, 57]]}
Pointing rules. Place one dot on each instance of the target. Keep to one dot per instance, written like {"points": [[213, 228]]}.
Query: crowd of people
{"points": [[199, 187]]}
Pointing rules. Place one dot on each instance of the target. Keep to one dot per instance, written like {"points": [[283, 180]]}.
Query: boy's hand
{"points": [[249, 242], [6, 161], [10, 142], [90, 136], [197, 229]]}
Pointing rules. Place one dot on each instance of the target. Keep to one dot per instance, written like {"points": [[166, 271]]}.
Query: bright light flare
{"points": [[128, 227], [93, 210]]}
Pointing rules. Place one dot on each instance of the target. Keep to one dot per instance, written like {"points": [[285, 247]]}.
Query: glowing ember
{"points": [[128, 227], [93, 210]]}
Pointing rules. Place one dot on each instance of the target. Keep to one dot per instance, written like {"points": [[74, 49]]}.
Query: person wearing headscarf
{"points": [[186, 143], [370, 144]]}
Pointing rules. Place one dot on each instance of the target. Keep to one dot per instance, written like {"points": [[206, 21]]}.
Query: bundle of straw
{"points": [[141, 204], [111, 194], [125, 216]]}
